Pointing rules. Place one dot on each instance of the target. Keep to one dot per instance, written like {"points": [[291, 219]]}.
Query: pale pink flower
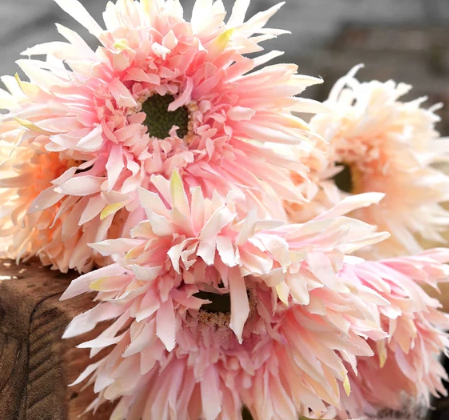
{"points": [[379, 142], [29, 172], [159, 94], [406, 365], [212, 312]]}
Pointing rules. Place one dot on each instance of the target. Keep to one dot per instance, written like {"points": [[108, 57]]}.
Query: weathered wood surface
{"points": [[36, 365]]}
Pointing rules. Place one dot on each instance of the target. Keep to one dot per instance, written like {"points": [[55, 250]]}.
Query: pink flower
{"points": [[26, 173], [211, 312], [378, 142], [160, 94], [406, 364]]}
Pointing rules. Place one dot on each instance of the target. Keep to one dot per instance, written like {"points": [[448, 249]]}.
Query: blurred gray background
{"points": [[406, 40]]}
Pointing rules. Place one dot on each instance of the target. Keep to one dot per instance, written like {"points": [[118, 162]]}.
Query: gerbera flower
{"points": [[24, 174], [406, 366], [212, 313], [378, 142], [159, 94]]}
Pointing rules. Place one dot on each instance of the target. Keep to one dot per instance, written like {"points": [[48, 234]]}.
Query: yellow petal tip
{"points": [[347, 386], [97, 285], [111, 209]]}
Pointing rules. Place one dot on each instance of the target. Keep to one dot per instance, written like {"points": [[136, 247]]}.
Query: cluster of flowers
{"points": [[244, 259]]}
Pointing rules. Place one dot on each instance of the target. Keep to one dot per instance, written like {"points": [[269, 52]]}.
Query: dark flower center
{"points": [[218, 312], [160, 120], [246, 414], [221, 303], [344, 179]]}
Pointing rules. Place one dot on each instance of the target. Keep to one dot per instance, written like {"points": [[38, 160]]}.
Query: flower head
{"points": [[406, 365], [159, 94], [378, 142], [24, 174], [237, 312]]}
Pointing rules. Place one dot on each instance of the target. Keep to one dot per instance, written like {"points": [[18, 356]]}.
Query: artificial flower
{"points": [[159, 94], [406, 365], [377, 142], [26, 172], [210, 313]]}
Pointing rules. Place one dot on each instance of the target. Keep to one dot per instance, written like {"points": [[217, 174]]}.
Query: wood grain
{"points": [[36, 365]]}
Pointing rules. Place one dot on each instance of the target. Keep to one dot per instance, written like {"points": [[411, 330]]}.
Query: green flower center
{"points": [[160, 120]]}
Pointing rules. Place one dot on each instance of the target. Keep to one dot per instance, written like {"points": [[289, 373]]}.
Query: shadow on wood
{"points": [[36, 365]]}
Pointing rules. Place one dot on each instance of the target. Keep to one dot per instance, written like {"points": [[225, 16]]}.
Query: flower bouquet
{"points": [[249, 263]]}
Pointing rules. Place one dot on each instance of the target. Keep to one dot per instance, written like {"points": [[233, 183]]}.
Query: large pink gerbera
{"points": [[159, 94], [406, 366], [212, 313], [378, 142]]}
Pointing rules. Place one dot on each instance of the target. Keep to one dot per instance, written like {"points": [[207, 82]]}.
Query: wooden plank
{"points": [[36, 365]]}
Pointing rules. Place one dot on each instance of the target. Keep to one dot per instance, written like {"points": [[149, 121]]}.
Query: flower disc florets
{"points": [[160, 121]]}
